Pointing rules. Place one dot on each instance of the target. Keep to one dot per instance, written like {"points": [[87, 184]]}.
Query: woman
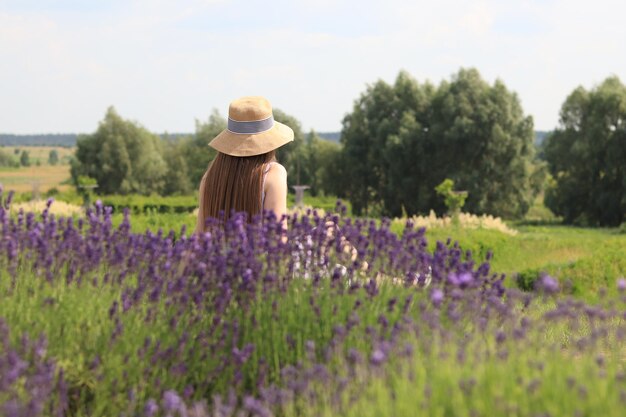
{"points": [[245, 176]]}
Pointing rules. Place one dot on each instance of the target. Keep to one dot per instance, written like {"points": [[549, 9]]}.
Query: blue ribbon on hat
{"points": [[250, 128]]}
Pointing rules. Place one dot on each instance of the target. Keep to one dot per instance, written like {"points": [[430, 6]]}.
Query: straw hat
{"points": [[252, 129]]}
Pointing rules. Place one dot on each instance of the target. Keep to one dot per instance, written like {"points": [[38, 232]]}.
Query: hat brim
{"points": [[236, 144]]}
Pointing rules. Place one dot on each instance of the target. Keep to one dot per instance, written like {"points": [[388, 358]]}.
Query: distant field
{"points": [[44, 177], [39, 153]]}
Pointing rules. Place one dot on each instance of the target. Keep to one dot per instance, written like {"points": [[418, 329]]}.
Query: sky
{"points": [[168, 63]]}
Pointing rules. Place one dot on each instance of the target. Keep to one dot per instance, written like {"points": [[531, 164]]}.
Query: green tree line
{"points": [[123, 157], [398, 143]]}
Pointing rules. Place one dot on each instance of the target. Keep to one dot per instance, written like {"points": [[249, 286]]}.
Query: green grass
{"points": [[590, 259]]}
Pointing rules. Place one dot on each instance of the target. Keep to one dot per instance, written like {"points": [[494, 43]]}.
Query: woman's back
{"points": [[244, 176]]}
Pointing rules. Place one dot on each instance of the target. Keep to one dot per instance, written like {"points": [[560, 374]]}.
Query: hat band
{"points": [[250, 128]]}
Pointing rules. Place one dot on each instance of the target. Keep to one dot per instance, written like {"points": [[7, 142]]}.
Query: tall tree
{"points": [[586, 156], [53, 157], [25, 159], [402, 140], [122, 156], [485, 144], [374, 119]]}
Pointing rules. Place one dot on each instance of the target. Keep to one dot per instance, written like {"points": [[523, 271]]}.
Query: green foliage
{"points": [[144, 219], [454, 200], [53, 157], [153, 204], [292, 155], [85, 187], [587, 155], [24, 159], [527, 279], [178, 180], [584, 260], [196, 151], [6, 160], [402, 140], [538, 213], [83, 181], [122, 157], [314, 163], [52, 192]]}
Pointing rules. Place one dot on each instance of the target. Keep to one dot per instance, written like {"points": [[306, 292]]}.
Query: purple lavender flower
{"points": [[465, 279], [171, 401], [151, 408], [378, 357], [436, 297], [621, 284], [548, 284]]}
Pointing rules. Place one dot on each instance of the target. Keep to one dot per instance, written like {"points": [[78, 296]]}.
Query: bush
{"points": [[150, 204], [527, 279]]}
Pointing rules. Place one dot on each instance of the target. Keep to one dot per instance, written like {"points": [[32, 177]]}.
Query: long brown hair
{"points": [[232, 183]]}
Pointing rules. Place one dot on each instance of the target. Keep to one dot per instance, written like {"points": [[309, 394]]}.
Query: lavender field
{"points": [[97, 320]]}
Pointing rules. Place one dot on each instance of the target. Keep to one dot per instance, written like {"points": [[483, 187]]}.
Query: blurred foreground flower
{"points": [[548, 284]]}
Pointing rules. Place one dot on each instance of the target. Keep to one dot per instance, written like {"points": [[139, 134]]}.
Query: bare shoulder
{"points": [[276, 178], [277, 172]]}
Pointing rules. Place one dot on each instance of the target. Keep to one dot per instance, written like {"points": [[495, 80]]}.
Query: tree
{"points": [[53, 157], [402, 140], [586, 156], [486, 144], [25, 159], [196, 152], [177, 180], [6, 160], [454, 200], [318, 162], [122, 156], [292, 154]]}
